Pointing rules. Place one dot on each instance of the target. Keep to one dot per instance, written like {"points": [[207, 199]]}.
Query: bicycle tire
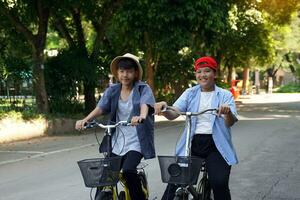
{"points": [[144, 183], [180, 198], [122, 195], [143, 179], [104, 195], [207, 194], [181, 195], [204, 190]]}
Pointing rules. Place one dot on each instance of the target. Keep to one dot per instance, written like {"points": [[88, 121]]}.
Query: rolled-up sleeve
{"points": [[147, 96], [104, 102], [230, 101], [181, 102]]}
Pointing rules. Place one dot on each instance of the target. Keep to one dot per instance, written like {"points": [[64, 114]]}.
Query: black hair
{"points": [[127, 63]]}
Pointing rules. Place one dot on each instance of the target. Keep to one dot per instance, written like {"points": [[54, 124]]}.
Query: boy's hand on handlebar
{"points": [[80, 124], [136, 120], [224, 109], [158, 107]]}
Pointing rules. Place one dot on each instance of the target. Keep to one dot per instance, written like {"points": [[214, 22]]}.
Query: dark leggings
{"points": [[129, 163], [217, 168]]}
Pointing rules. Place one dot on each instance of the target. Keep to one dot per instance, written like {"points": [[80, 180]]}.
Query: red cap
{"points": [[205, 62]]}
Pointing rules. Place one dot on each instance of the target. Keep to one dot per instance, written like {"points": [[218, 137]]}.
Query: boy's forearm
{"points": [[144, 111], [229, 119], [95, 113]]}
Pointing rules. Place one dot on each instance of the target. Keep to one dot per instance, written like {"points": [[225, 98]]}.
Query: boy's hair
{"points": [[127, 63]]}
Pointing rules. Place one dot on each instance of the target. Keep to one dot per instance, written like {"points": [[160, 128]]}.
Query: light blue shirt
{"points": [[189, 102]]}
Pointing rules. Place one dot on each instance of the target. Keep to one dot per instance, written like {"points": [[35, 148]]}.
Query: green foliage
{"points": [[64, 75], [236, 32], [26, 114], [279, 12], [222, 84], [174, 75], [290, 88]]}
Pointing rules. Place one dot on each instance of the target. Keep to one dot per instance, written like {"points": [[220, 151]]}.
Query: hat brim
{"points": [[114, 66]]}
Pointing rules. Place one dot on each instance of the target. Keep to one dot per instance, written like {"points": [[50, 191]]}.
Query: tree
{"points": [[30, 18], [15, 65], [160, 29], [79, 23], [250, 39]]}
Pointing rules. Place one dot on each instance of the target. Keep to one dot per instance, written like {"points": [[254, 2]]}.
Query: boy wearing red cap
{"points": [[210, 134]]}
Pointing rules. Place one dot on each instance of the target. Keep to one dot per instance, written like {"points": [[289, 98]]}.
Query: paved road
{"points": [[267, 139]]}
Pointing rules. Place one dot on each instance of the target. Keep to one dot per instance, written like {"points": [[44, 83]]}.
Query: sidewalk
{"points": [[254, 99], [269, 98]]}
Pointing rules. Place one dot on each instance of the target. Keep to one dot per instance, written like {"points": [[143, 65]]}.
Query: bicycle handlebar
{"points": [[212, 110], [94, 123]]}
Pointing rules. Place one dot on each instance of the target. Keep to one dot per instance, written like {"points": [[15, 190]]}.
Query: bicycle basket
{"points": [[179, 169], [100, 171]]}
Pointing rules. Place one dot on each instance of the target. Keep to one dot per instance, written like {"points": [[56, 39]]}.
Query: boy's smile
{"points": [[206, 78], [127, 76]]}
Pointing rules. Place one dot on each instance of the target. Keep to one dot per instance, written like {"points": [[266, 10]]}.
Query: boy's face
{"points": [[127, 76], [206, 78]]}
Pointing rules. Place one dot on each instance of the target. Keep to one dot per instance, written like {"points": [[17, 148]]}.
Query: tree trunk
{"points": [[150, 71], [89, 86], [39, 81], [89, 97], [38, 42], [149, 63], [245, 80], [229, 76]]}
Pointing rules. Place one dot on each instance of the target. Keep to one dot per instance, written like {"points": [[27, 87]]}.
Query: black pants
{"points": [[129, 163], [217, 168]]}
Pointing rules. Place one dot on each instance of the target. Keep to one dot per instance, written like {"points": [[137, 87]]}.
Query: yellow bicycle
{"points": [[105, 174]]}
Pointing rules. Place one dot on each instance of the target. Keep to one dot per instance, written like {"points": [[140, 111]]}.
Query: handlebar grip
{"points": [[129, 122], [88, 125]]}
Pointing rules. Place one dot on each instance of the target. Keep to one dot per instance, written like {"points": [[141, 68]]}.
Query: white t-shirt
{"points": [[204, 125], [125, 138]]}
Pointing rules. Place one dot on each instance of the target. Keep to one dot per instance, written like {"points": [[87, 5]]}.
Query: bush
{"points": [[27, 114], [289, 88]]}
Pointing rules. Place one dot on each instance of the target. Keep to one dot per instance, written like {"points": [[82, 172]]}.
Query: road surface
{"points": [[266, 138]]}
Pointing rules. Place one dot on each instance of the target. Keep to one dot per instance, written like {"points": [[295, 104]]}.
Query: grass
{"points": [[289, 88]]}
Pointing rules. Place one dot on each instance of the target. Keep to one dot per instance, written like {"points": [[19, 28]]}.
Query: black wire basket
{"points": [[100, 171], [180, 169]]}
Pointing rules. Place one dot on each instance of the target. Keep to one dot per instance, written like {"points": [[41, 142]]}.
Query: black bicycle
{"points": [[185, 171]]}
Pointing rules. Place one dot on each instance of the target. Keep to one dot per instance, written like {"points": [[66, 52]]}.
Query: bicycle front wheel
{"points": [[181, 195], [122, 195], [104, 195], [204, 190]]}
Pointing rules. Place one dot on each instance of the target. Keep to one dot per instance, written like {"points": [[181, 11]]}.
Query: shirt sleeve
{"points": [[105, 101], [147, 96], [230, 101], [182, 102]]}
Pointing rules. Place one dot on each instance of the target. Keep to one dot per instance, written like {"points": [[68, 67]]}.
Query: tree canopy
{"points": [[168, 35]]}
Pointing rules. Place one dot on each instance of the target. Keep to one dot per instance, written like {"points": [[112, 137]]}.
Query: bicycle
{"points": [[184, 171], [105, 174]]}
